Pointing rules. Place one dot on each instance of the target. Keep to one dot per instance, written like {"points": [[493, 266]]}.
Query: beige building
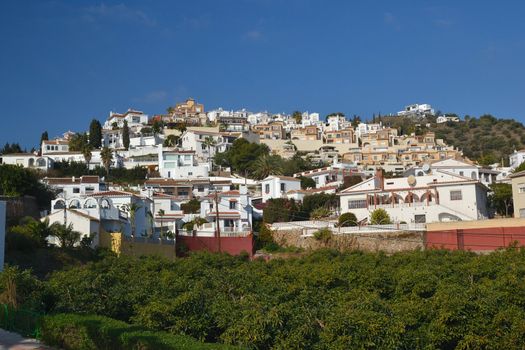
{"points": [[518, 193]]}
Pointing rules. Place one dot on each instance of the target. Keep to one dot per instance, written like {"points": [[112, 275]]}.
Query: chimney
{"points": [[379, 181]]}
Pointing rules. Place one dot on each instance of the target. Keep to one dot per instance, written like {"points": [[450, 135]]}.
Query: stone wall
{"points": [[388, 242]]}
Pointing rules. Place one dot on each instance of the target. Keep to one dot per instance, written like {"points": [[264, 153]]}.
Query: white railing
{"points": [[311, 226]]}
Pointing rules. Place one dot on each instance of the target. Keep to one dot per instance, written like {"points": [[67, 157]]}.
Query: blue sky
{"points": [[63, 63]]}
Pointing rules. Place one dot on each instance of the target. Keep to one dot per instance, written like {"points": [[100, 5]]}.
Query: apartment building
{"points": [[273, 130], [308, 133]]}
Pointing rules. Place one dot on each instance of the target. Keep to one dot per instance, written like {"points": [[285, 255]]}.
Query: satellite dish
{"points": [[426, 167], [411, 180]]}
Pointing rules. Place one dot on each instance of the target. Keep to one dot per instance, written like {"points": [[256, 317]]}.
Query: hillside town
{"points": [[200, 191]]}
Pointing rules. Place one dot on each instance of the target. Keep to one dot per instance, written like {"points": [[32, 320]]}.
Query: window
{"points": [[356, 203], [200, 188], [420, 219], [76, 190], [190, 173], [521, 188], [522, 213], [461, 173], [283, 187], [233, 205], [267, 188], [456, 195]]}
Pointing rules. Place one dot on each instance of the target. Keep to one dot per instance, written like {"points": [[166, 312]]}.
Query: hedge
{"points": [[89, 332]]}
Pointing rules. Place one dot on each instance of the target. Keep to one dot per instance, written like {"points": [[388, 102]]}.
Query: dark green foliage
{"points": [[191, 207], [125, 135], [347, 219], [500, 199], [95, 134], [44, 137], [323, 300], [78, 142], [281, 210], [318, 200], [18, 181], [72, 332], [519, 168], [349, 181], [137, 175], [11, 148], [307, 182], [241, 156]]}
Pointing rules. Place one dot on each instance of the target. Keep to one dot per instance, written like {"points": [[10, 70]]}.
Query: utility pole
{"points": [[217, 227]]}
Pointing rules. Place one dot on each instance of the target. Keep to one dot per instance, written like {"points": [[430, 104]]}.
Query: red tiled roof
{"points": [[113, 194]]}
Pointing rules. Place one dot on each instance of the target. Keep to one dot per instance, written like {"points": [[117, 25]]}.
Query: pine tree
{"points": [[95, 134], [125, 135], [44, 137]]}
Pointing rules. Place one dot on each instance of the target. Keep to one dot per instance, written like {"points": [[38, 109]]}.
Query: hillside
{"points": [[485, 139]]}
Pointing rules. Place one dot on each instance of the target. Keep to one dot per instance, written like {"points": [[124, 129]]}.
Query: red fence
{"points": [[230, 245], [476, 239]]}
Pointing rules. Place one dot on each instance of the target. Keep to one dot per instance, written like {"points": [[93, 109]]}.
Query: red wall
{"points": [[230, 245], [476, 239]]}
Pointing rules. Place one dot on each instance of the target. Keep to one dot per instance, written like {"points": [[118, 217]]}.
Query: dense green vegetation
{"points": [[323, 300], [486, 139], [284, 209], [18, 181], [254, 160], [72, 332], [136, 175]]}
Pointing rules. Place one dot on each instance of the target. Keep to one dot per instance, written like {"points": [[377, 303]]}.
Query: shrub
{"points": [[191, 207], [70, 331], [324, 235], [347, 219], [320, 213], [380, 217]]}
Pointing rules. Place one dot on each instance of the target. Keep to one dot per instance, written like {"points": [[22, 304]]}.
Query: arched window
{"points": [[90, 203], [41, 162], [105, 204], [473, 175], [31, 162], [75, 203], [59, 204]]}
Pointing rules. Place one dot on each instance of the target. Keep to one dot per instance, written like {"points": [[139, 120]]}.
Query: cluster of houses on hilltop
{"points": [[185, 194]]}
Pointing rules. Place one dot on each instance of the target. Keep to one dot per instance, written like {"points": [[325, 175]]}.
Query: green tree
{"points": [[133, 208], [297, 116], [125, 135], [265, 166], [161, 214], [193, 206], [519, 168], [44, 137], [307, 182], [106, 155], [501, 198], [66, 235], [380, 217], [78, 142], [95, 134], [280, 210], [347, 219], [209, 142], [157, 127], [171, 141], [86, 152]]}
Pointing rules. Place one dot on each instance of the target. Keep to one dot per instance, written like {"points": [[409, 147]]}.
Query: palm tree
{"points": [[66, 235], [86, 152], [107, 157], [132, 208], [265, 166], [161, 213], [209, 142]]}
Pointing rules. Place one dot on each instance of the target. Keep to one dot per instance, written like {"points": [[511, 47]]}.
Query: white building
{"points": [[28, 160], [310, 119], [54, 146], [440, 196], [275, 186], [364, 128], [234, 210], [180, 164], [332, 175], [69, 187], [517, 158], [133, 117], [337, 122], [474, 172], [417, 110], [444, 118], [113, 209]]}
